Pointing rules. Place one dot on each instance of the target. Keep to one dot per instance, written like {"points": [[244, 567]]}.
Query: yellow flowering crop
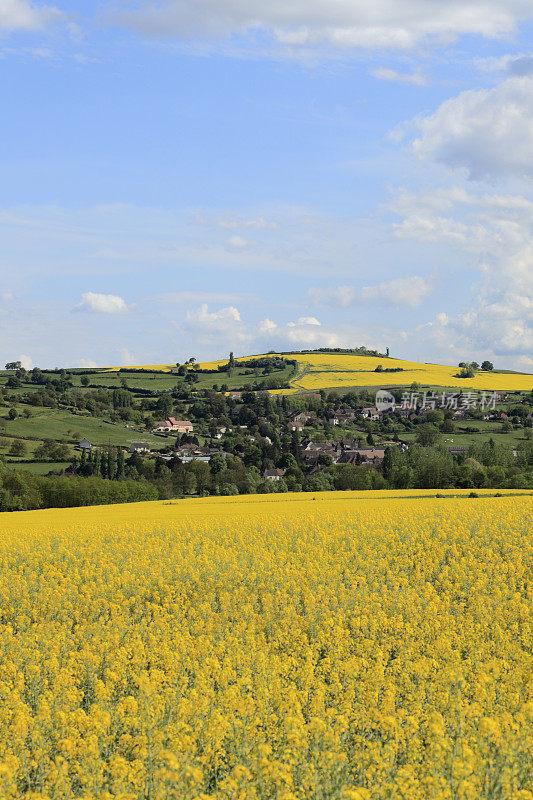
{"points": [[356, 646], [335, 370], [330, 370]]}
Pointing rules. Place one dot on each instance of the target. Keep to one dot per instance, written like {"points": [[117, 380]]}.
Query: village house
{"points": [[85, 445], [273, 474], [365, 457], [349, 444], [313, 450], [172, 425], [373, 455], [370, 412], [188, 450], [192, 452], [220, 430], [458, 450], [233, 395], [338, 415], [139, 447], [305, 417], [295, 426]]}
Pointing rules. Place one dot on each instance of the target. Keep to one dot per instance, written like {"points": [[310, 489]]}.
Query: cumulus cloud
{"points": [[384, 74], [5, 297], [126, 357], [409, 292], [222, 328], [341, 334], [102, 303], [88, 363], [488, 132], [304, 335], [267, 326], [497, 224], [341, 24], [23, 15], [511, 64], [494, 326], [496, 232], [237, 242], [26, 361], [213, 319], [305, 321], [304, 332]]}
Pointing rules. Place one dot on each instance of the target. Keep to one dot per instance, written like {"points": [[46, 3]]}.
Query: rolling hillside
{"points": [[339, 370]]}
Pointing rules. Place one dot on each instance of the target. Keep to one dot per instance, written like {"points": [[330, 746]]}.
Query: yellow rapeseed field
{"points": [[336, 370], [349, 647]]}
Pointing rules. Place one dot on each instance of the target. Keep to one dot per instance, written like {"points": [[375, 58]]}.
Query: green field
{"points": [[157, 381], [40, 467], [62, 426]]}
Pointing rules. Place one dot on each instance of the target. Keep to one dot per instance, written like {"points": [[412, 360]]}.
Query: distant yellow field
{"points": [[173, 512], [342, 646], [329, 370]]}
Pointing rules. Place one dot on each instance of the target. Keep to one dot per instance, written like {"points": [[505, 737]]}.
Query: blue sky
{"points": [[188, 177]]}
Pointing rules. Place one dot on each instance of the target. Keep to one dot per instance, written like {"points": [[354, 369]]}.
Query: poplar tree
{"points": [[120, 464]]}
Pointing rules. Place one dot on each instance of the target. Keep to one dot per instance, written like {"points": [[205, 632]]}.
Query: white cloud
{"points": [[511, 64], [216, 331], [494, 326], [385, 74], [309, 335], [305, 332], [5, 297], [409, 292], [308, 321], [487, 132], [88, 363], [126, 358], [496, 232], [237, 242], [22, 15], [213, 319], [26, 361], [489, 225], [267, 326], [338, 24], [102, 303]]}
